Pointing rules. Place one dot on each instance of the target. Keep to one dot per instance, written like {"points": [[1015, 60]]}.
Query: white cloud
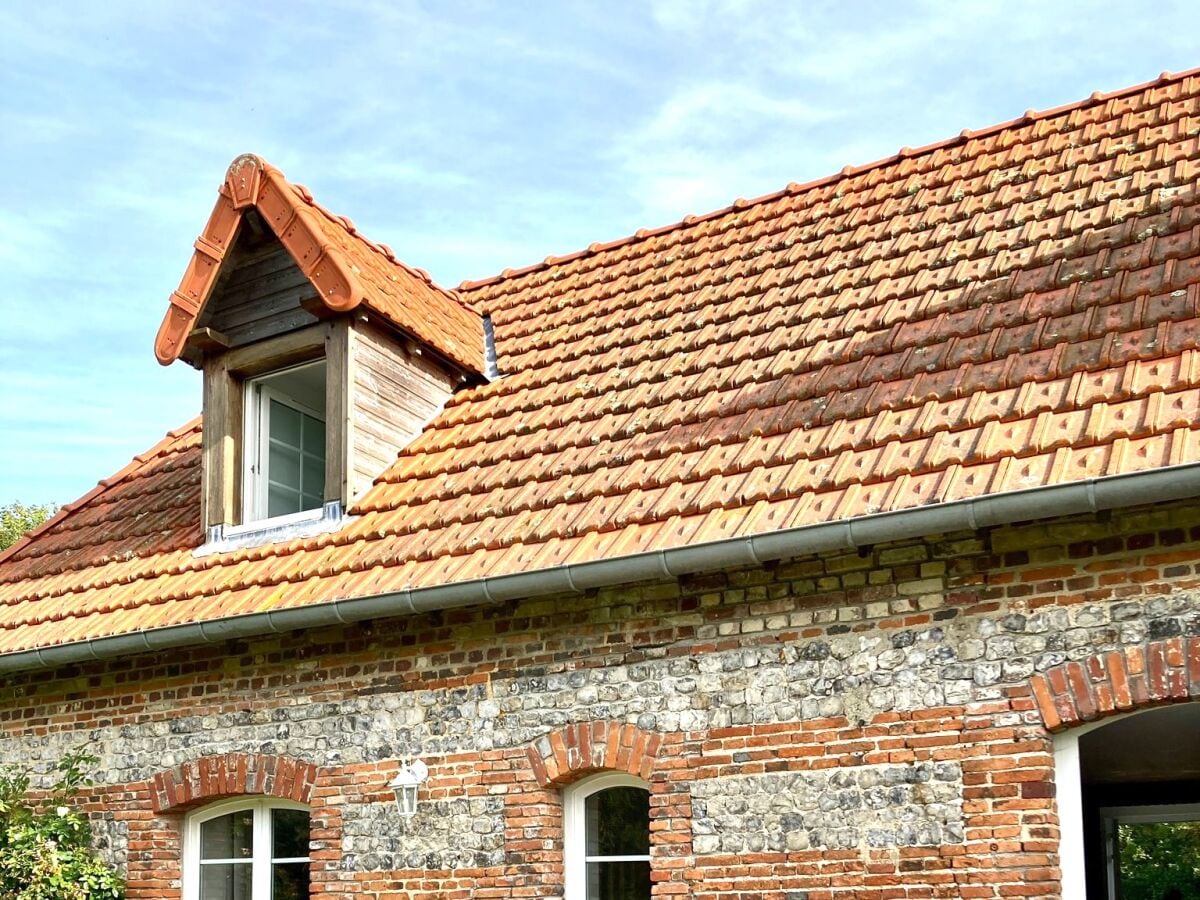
{"points": [[707, 142], [695, 15]]}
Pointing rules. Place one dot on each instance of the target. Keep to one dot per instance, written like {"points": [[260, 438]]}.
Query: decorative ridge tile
{"points": [[793, 188], [312, 235]]}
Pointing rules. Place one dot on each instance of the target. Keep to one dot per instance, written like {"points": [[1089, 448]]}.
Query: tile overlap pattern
{"points": [[1008, 309]]}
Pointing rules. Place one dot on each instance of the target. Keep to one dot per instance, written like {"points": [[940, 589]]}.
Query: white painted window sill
{"points": [[309, 523]]}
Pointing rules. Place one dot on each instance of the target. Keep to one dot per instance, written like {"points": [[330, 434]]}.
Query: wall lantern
{"points": [[405, 785]]}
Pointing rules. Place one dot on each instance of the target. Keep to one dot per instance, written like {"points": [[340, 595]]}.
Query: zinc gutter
{"points": [[1052, 501]]}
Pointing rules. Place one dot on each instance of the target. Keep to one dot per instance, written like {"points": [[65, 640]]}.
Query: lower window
{"points": [[247, 850], [1153, 851], [607, 839]]}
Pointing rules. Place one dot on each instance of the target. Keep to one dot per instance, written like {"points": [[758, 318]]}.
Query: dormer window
{"points": [[286, 439], [323, 357]]}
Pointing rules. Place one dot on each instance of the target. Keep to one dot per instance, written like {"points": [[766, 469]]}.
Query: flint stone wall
{"points": [[444, 834], [858, 675], [936, 628], [867, 807]]}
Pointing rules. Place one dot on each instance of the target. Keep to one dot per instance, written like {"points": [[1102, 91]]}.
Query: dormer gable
{"points": [[345, 270], [322, 354]]}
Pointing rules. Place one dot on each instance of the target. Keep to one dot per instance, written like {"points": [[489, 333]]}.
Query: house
{"points": [[839, 543]]}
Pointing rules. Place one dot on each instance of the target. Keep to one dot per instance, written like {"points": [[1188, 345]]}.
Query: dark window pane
{"points": [[314, 436], [230, 881], [313, 475], [281, 501], [1158, 859], [228, 837], [289, 833], [283, 466], [618, 822], [289, 881], [618, 880], [285, 424]]}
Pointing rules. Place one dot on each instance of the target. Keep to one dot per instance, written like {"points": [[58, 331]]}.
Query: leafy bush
{"points": [[45, 847], [18, 518]]}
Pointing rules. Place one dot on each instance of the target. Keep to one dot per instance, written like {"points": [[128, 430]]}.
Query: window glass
{"points": [[289, 881], [285, 425], [283, 464], [281, 501], [229, 837], [618, 822], [226, 881], [295, 460], [233, 865], [616, 839], [289, 834], [629, 880], [286, 462]]}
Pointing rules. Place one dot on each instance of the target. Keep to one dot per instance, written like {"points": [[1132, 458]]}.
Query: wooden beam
{"points": [[255, 225], [303, 345], [337, 412], [206, 341], [316, 308], [222, 439]]}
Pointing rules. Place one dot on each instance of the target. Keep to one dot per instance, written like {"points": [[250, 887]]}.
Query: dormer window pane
{"points": [[295, 460], [286, 431], [283, 467], [285, 425]]}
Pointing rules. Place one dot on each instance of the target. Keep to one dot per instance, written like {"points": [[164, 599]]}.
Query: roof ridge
{"points": [[794, 188], [378, 247], [102, 485]]}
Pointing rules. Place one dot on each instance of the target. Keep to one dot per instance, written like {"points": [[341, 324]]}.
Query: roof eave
{"points": [[1051, 501]]}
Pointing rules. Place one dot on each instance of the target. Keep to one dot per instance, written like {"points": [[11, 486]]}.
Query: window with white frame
{"points": [[606, 831], [247, 850], [285, 443]]}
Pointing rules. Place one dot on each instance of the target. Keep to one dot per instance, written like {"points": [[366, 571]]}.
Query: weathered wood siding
{"points": [[393, 394], [260, 297]]}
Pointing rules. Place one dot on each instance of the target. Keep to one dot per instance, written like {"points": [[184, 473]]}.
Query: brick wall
{"points": [[853, 724]]}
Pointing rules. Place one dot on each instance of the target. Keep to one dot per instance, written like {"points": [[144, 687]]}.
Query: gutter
{"points": [[1052, 501]]}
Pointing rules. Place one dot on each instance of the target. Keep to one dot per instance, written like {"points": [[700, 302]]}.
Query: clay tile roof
{"points": [[345, 267], [1011, 308]]}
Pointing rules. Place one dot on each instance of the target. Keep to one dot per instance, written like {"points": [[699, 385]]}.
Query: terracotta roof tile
{"points": [[344, 267], [1011, 308]]}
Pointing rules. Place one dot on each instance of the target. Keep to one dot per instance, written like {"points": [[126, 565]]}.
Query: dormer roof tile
{"points": [[346, 268]]}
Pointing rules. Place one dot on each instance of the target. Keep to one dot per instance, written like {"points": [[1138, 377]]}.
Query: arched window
{"points": [[247, 849], [606, 838]]}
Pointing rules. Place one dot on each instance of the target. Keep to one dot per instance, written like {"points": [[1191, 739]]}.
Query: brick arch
{"points": [[574, 751], [232, 775], [1118, 681]]}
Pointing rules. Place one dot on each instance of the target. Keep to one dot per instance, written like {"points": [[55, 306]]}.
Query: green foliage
{"points": [[1159, 859], [18, 518], [45, 847]]}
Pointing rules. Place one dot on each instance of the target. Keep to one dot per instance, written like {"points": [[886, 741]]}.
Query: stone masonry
{"points": [[840, 725]]}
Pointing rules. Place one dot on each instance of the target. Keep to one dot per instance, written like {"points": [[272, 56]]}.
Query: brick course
{"points": [[800, 689]]}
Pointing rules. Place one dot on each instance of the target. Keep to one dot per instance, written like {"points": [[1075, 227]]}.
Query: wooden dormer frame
{"points": [[276, 281], [225, 378]]}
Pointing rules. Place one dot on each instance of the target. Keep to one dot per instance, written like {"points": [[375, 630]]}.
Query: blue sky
{"points": [[470, 137]]}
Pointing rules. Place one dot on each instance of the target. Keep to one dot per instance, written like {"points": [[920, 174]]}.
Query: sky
{"points": [[470, 137]]}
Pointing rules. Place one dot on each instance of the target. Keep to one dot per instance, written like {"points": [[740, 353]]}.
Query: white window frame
{"points": [[1068, 782], [257, 449], [260, 862], [575, 858]]}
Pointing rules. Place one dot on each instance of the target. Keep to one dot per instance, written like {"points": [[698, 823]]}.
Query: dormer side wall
{"points": [[395, 389]]}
